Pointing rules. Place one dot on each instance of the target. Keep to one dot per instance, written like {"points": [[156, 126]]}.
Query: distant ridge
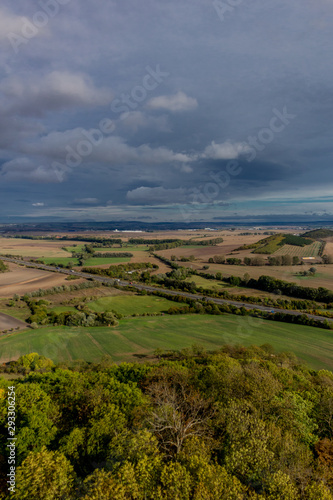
{"points": [[318, 234], [64, 226]]}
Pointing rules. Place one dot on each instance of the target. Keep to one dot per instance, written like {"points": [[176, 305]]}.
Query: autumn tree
{"points": [[179, 411]]}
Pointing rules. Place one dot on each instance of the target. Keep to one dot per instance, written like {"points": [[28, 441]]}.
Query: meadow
{"points": [[64, 261], [139, 337], [205, 283], [93, 261], [116, 248]]}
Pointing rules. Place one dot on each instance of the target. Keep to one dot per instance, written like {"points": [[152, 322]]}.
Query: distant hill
{"points": [[318, 234], [273, 243]]}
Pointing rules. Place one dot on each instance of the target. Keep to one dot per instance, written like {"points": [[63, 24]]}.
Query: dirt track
{"points": [[8, 322]]}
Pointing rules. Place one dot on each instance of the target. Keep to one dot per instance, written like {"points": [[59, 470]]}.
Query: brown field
{"points": [[8, 322], [232, 241], [34, 248], [21, 280], [329, 246]]}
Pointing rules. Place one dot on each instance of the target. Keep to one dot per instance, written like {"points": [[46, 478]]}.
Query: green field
{"points": [[77, 248], [100, 261], [93, 261], [130, 248], [129, 304], [205, 283], [142, 336], [60, 260], [19, 310], [271, 244], [115, 249], [306, 251]]}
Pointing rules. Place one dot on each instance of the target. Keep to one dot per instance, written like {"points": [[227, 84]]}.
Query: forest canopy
{"points": [[236, 423]]}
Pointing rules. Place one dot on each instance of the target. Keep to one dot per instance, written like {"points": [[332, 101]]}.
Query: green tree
{"points": [[175, 482], [318, 491], [36, 418], [214, 483], [102, 485], [44, 475], [248, 454]]}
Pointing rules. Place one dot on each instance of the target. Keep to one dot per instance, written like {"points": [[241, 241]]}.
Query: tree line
{"points": [[121, 271], [279, 260], [84, 317], [161, 245]]}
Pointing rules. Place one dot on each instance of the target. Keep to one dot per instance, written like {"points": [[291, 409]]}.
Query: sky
{"points": [[187, 110]]}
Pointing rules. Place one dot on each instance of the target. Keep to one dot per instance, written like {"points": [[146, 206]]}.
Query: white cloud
{"points": [[226, 150], [38, 204], [111, 150], [56, 90], [10, 23], [177, 102]]}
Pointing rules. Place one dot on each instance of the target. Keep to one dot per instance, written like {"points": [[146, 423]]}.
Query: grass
{"points": [[129, 304], [77, 248], [205, 283], [115, 249], [131, 248], [310, 277], [93, 261], [272, 244], [144, 335], [22, 312], [60, 260], [61, 309], [100, 261]]}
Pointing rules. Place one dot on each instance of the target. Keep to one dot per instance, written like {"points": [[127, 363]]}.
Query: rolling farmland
{"points": [[141, 336]]}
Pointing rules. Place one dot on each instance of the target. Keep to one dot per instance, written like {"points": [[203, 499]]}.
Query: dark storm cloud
{"points": [[187, 90]]}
